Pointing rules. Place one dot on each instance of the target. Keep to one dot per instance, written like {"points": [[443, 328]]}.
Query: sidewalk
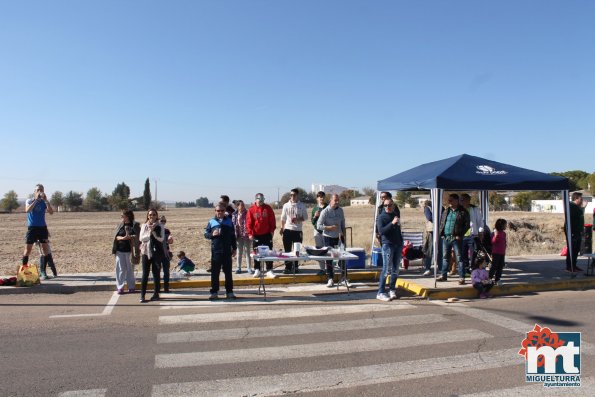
{"points": [[523, 274]]}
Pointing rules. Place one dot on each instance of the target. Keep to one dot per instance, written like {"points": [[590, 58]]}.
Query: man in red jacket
{"points": [[260, 225]]}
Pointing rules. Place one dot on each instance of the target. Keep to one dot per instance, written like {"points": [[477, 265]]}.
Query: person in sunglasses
{"points": [[388, 225]]}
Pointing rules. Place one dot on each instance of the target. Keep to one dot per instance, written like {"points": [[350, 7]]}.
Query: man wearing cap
{"points": [[261, 224]]}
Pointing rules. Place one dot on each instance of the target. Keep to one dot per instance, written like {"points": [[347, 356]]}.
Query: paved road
{"points": [[99, 344]]}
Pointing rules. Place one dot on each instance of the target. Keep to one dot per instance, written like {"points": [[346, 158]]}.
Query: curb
{"points": [[469, 292]]}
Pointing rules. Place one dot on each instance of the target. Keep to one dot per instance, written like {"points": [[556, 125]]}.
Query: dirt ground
{"points": [[82, 241]]}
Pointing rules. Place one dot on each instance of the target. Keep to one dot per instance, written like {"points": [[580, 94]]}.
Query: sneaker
{"points": [[392, 294], [270, 274], [214, 296], [239, 271], [427, 273], [230, 295], [256, 273], [143, 300], [345, 283], [154, 298], [442, 278], [383, 297], [44, 277], [120, 291], [462, 281], [330, 283]]}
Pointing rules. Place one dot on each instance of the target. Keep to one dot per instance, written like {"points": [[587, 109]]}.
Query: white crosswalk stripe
{"points": [[304, 311], [587, 389], [312, 319], [341, 378], [298, 329], [84, 393], [314, 349]]}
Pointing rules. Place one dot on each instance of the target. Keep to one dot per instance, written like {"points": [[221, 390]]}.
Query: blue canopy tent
{"points": [[465, 172]]}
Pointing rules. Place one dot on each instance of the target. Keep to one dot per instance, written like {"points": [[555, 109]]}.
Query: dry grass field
{"points": [[81, 242]]}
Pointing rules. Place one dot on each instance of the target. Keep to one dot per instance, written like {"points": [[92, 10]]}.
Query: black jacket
{"points": [[135, 231], [462, 222], [389, 233]]}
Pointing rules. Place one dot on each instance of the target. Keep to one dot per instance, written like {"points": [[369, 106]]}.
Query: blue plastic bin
{"points": [[360, 262], [377, 256]]}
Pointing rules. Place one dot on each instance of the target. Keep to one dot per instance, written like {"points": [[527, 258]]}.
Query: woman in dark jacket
{"points": [[125, 235]]}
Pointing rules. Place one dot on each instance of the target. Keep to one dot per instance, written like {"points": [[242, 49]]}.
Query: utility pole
{"points": [[155, 189]]}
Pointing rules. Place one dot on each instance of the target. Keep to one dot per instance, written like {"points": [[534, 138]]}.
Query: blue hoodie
{"points": [[226, 241]]}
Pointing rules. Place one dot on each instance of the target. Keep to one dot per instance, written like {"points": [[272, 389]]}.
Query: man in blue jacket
{"points": [[221, 232], [388, 225]]}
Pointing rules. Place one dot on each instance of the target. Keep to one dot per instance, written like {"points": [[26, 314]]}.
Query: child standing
{"points": [[481, 280], [498, 250], [185, 265]]}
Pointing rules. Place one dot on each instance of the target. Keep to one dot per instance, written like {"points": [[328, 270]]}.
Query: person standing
{"points": [[498, 250], [318, 238], [389, 226], [454, 223], [428, 248], [332, 224], [577, 220], [474, 233], [221, 232], [126, 234], [37, 229], [152, 236], [260, 223], [167, 255], [238, 219], [293, 215]]}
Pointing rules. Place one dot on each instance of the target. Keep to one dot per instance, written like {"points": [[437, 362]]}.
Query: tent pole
{"points": [[374, 226], [436, 196], [566, 199]]}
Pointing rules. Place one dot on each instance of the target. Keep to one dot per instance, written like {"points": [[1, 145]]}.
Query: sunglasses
{"points": [[388, 205]]}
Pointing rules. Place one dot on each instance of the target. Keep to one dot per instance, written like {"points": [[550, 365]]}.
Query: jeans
{"points": [[153, 266], [243, 244], [165, 265], [391, 256], [449, 244], [482, 288], [221, 262], [468, 252], [332, 242]]}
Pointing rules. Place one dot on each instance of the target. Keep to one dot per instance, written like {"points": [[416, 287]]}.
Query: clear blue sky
{"points": [[239, 97]]}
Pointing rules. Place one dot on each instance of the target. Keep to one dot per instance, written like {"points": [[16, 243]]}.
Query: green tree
{"points": [[94, 200], [497, 202], [591, 183], [57, 199], [73, 201], [578, 179], [346, 196], [147, 195], [203, 202], [10, 201], [523, 199], [402, 198], [120, 197]]}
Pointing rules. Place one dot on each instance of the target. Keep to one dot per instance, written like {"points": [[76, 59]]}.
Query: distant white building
{"points": [[328, 189], [554, 206], [362, 200]]}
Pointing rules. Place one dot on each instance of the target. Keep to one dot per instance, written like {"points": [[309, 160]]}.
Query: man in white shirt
{"points": [[293, 215]]}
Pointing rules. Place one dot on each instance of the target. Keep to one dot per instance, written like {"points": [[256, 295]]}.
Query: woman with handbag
{"points": [[125, 248], [152, 235]]}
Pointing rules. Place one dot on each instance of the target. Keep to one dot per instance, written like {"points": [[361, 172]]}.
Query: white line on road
{"points": [[314, 349], [84, 393], [306, 311], [342, 378], [301, 329], [106, 311]]}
